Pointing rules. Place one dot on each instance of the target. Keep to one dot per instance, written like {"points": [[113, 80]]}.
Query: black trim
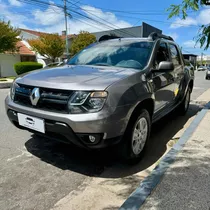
{"points": [[60, 131], [155, 36]]}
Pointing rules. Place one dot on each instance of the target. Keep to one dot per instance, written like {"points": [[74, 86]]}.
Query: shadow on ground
{"points": [[93, 163]]}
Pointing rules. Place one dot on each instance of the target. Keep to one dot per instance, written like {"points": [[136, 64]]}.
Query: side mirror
{"points": [[164, 66]]}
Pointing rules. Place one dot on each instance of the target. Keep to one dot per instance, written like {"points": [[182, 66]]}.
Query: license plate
{"points": [[33, 123]]}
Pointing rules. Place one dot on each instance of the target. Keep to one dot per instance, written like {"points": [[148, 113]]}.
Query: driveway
{"points": [[37, 173]]}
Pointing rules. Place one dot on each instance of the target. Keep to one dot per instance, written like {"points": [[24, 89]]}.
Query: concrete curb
{"points": [[6, 84], [139, 196]]}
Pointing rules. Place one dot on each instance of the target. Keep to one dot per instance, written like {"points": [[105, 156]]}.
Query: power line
{"points": [[101, 23], [112, 26], [85, 22], [150, 12], [41, 3], [137, 12], [166, 22], [137, 18], [107, 24]]}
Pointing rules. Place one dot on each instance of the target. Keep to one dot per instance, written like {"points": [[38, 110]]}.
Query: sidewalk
{"points": [[6, 84], [182, 179]]}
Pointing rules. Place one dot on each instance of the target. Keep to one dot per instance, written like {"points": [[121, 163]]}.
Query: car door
{"points": [[178, 69], [163, 82]]}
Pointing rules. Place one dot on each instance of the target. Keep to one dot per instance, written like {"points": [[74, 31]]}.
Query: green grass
{"points": [[12, 77], [4, 79]]}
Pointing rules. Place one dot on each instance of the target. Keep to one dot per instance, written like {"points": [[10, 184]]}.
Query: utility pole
{"points": [[201, 58], [67, 44]]}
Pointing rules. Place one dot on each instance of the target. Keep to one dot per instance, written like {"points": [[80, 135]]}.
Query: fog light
{"points": [[92, 139]]}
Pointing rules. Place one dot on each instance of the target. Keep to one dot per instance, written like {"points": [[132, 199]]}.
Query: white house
{"points": [[7, 60], [25, 53]]}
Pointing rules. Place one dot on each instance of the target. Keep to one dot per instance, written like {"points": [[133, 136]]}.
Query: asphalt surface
{"points": [[200, 84], [35, 173]]}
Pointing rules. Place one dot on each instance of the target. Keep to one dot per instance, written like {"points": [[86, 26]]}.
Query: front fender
{"points": [[188, 79]]}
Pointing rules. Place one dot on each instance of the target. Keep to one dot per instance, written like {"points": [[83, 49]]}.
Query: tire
{"points": [[136, 137], [207, 78], [183, 107]]}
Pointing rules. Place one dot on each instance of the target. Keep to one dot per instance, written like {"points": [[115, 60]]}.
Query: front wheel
{"points": [[185, 103], [136, 136]]}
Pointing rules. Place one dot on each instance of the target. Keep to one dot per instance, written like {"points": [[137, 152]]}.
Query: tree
{"points": [[81, 41], [8, 37], [48, 45], [181, 9]]}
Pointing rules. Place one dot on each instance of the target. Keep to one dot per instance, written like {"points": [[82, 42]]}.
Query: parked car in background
{"points": [[108, 94], [202, 68], [208, 73]]}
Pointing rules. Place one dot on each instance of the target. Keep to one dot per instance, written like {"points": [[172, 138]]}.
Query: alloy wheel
{"points": [[139, 136]]}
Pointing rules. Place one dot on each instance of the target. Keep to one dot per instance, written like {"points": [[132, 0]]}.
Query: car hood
{"points": [[75, 77]]}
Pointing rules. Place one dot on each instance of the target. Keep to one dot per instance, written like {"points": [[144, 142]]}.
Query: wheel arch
{"points": [[191, 85], [147, 104]]}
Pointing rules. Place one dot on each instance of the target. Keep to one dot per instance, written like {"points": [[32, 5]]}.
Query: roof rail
{"points": [[155, 35]]}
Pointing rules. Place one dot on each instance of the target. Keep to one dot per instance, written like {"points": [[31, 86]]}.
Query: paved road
{"points": [[35, 173], [201, 84]]}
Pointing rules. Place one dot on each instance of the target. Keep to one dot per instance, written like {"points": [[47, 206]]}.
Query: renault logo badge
{"points": [[34, 97]]}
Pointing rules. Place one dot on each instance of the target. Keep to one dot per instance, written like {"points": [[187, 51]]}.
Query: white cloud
{"points": [[202, 19], [183, 23], [175, 36], [51, 16], [204, 16], [106, 17], [190, 44], [17, 20], [52, 20], [15, 3]]}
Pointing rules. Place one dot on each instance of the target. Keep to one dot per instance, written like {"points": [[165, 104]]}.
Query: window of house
{"points": [[27, 58]]}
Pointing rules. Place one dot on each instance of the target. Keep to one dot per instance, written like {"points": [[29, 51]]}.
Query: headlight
{"points": [[12, 90], [85, 102]]}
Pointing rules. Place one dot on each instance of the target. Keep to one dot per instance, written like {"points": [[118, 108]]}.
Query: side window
{"points": [[162, 54], [174, 55]]}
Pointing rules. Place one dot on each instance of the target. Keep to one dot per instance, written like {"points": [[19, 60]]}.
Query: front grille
{"points": [[50, 99]]}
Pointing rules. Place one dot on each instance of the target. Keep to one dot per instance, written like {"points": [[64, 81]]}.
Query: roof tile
{"points": [[23, 50]]}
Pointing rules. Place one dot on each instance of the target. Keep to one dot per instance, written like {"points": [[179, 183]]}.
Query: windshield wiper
{"points": [[102, 64]]}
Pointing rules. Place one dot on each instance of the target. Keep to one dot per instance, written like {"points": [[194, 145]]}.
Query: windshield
{"points": [[115, 53]]}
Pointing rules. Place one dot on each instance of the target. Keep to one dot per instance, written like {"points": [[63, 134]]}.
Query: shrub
{"points": [[23, 67]]}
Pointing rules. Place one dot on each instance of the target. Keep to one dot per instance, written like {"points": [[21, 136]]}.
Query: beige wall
{"points": [[7, 62]]}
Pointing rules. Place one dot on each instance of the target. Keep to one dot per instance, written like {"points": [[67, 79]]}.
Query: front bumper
{"points": [[107, 126]]}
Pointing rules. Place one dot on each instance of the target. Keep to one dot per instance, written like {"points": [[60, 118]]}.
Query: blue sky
{"points": [[113, 14]]}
